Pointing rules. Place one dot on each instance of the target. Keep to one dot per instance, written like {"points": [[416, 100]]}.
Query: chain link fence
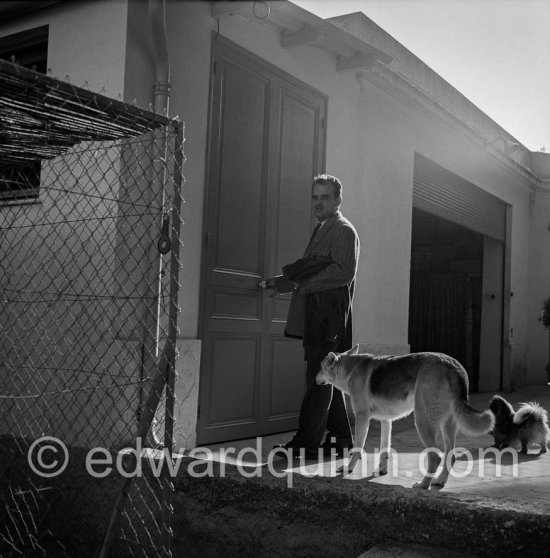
{"points": [[90, 198]]}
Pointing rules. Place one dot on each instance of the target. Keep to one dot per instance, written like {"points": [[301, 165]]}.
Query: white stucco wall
{"points": [[87, 42], [538, 281], [189, 28], [383, 207]]}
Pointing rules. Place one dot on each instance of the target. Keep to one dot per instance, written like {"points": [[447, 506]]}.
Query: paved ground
{"points": [[246, 501], [513, 481], [399, 550]]}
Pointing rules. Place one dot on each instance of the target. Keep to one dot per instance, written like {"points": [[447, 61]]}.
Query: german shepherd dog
{"points": [[386, 388]]}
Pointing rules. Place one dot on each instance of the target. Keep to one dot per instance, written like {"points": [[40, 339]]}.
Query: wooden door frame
{"points": [[220, 44], [506, 380], [209, 144]]}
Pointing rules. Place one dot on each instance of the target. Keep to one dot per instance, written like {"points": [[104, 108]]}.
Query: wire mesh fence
{"points": [[90, 196]]}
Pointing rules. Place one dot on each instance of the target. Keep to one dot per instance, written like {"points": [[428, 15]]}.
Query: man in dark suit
{"points": [[320, 315]]}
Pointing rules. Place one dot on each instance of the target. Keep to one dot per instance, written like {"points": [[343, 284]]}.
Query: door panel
{"points": [[232, 304], [266, 143], [296, 170], [241, 170], [235, 360], [287, 379]]}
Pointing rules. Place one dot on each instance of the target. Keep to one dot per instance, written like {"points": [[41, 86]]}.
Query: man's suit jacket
{"points": [[337, 240]]}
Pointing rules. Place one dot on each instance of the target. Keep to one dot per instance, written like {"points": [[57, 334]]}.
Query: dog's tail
{"points": [[531, 411], [472, 421]]}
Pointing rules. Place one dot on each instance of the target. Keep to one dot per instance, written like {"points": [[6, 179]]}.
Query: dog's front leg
{"points": [[362, 423], [385, 445]]}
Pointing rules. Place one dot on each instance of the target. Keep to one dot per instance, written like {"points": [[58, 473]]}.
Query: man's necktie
{"points": [[315, 230]]}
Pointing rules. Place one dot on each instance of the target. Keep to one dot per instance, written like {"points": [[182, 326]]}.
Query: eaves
{"points": [[297, 27], [411, 95]]}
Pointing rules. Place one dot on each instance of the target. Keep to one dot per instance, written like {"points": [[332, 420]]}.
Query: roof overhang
{"points": [[11, 9], [297, 27]]}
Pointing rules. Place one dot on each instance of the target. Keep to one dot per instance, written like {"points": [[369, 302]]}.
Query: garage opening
{"points": [[459, 272], [445, 301]]}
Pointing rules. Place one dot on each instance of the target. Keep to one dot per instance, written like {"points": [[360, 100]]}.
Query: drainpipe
{"points": [[155, 196], [161, 86], [161, 96]]}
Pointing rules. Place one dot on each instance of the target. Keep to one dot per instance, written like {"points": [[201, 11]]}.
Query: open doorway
{"points": [[445, 302]]}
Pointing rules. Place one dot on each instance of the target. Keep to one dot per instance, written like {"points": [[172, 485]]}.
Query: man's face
{"points": [[323, 201]]}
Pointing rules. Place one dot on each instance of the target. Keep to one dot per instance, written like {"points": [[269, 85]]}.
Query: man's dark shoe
{"points": [[296, 449]]}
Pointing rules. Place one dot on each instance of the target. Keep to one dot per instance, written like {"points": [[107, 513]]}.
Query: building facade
{"points": [[450, 208]]}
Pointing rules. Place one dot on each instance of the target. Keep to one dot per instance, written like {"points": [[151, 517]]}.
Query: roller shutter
{"points": [[449, 196]]}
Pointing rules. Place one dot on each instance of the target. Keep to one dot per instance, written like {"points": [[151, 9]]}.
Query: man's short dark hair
{"points": [[329, 179]]}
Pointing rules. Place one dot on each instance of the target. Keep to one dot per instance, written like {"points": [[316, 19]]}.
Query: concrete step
{"points": [[394, 549]]}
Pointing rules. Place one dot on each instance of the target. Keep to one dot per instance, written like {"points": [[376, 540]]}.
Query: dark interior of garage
{"points": [[445, 290]]}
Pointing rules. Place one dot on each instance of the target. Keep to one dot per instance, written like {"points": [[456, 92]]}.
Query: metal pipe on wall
{"points": [[161, 86], [156, 196]]}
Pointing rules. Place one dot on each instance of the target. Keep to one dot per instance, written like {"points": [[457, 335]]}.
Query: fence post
{"points": [[172, 336]]}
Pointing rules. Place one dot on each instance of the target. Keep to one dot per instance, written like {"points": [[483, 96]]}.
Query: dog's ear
{"points": [[332, 359], [352, 351]]}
